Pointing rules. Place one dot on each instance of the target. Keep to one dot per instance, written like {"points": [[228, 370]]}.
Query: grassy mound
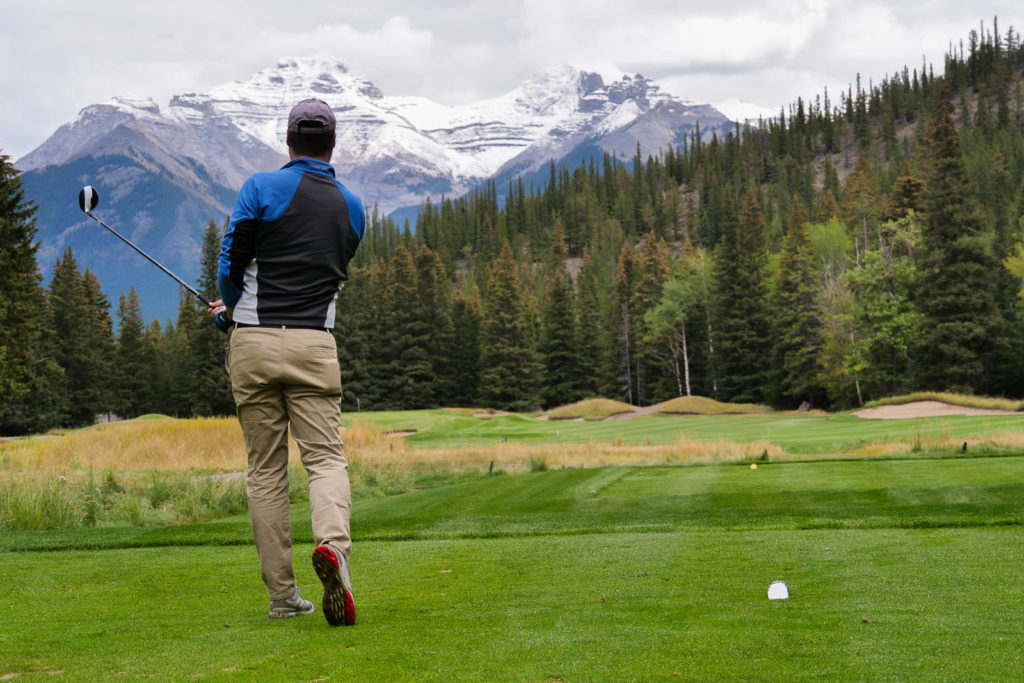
{"points": [[589, 409], [968, 401], [699, 405]]}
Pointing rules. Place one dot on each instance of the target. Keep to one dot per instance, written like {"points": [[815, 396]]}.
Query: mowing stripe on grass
{"points": [[544, 576], [793, 433], [909, 493]]}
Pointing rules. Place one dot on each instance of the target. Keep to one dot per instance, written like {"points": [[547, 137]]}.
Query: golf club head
{"points": [[88, 198]]}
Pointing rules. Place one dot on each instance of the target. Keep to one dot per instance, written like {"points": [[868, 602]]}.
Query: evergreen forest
{"points": [[864, 244]]}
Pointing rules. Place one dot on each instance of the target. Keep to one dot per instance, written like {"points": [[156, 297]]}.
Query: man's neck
{"points": [[292, 156]]}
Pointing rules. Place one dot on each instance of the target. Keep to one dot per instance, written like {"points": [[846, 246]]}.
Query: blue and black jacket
{"points": [[291, 236]]}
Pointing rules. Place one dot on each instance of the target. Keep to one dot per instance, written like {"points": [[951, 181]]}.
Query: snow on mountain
{"points": [[93, 124], [164, 172], [385, 144]]}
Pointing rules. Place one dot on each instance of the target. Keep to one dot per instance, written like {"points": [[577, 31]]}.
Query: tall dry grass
{"points": [[515, 457], [150, 471], [216, 445], [160, 443]]}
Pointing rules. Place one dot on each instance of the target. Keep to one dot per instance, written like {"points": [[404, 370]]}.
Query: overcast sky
{"points": [[59, 56]]}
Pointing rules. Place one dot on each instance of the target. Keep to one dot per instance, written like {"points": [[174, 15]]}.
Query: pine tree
{"points": [[593, 337], [99, 332], [409, 373], [798, 337], [654, 271], [962, 330], [67, 301], [31, 382], [133, 390], [508, 379], [20, 290], [358, 335], [435, 297], [159, 348], [210, 386], [375, 393], [626, 322], [181, 356], [46, 403], [907, 195], [559, 349], [465, 355], [743, 326], [828, 209], [84, 335]]}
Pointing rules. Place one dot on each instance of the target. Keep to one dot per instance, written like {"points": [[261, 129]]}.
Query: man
{"points": [[291, 236]]}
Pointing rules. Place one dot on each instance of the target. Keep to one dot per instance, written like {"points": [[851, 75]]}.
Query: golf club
{"points": [[88, 198]]}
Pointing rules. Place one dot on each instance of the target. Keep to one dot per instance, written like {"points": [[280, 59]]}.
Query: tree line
{"points": [[837, 253]]}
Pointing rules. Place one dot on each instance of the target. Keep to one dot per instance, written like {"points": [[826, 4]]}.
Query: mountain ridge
{"points": [[394, 151]]}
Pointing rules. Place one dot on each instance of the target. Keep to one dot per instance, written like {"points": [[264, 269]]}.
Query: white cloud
{"points": [[62, 55], [666, 33]]}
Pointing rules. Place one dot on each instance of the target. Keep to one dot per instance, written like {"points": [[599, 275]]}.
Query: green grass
{"points": [[938, 605], [901, 569], [793, 432]]}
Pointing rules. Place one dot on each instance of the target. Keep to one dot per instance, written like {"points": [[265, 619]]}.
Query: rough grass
{"points": [[151, 442], [699, 405], [156, 443], [168, 470], [161, 470], [39, 501], [589, 409], [524, 457]]}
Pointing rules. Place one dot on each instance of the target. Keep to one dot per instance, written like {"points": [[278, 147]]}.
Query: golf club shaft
{"points": [[151, 260]]}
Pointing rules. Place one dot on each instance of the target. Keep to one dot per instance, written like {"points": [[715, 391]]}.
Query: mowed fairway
{"points": [[812, 434], [901, 569]]}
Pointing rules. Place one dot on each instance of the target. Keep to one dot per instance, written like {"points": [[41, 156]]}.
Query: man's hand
{"points": [[221, 315]]}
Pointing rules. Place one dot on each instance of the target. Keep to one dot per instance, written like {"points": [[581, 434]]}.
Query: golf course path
{"points": [[925, 409]]}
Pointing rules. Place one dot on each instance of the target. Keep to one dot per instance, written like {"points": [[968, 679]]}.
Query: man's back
{"points": [[292, 234]]}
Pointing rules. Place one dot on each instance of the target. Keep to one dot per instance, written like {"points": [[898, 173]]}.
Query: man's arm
{"points": [[239, 246]]}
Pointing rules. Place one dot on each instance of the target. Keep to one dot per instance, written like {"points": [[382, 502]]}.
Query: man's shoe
{"points": [[332, 568], [290, 607]]}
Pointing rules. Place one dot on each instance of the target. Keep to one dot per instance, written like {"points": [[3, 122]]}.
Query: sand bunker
{"points": [[925, 409]]}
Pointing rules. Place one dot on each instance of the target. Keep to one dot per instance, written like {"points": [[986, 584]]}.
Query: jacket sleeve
{"points": [[239, 246]]}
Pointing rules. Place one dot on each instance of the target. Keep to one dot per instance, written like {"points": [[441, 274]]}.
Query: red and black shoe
{"points": [[332, 568]]}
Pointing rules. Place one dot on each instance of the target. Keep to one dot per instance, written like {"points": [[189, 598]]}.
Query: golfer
{"points": [[287, 248]]}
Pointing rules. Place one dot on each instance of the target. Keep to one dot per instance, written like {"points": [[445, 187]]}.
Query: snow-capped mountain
{"points": [[163, 173]]}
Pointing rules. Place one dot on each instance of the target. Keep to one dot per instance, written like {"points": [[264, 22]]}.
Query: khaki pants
{"points": [[283, 377]]}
